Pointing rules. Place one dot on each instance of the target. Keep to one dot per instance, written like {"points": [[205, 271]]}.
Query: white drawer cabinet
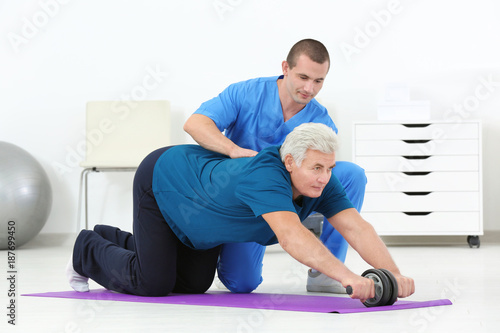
{"points": [[423, 178]]}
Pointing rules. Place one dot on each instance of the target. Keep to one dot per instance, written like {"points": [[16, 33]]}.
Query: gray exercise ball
{"points": [[25, 196]]}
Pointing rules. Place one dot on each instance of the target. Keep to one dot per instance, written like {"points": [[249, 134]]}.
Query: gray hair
{"points": [[313, 136]]}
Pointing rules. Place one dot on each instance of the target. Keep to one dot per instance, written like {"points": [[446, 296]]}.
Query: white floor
{"points": [[468, 277]]}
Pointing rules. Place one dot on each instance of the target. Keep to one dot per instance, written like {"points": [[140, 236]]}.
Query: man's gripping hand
{"points": [[406, 285]]}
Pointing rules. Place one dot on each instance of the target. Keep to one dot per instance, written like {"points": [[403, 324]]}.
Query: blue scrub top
{"points": [[250, 113], [209, 199]]}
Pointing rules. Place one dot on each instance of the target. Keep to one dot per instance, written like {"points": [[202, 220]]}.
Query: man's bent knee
{"points": [[243, 287]]}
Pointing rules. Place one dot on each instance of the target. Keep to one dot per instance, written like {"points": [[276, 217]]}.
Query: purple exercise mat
{"points": [[304, 303]]}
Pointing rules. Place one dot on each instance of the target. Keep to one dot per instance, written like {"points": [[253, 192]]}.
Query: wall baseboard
{"points": [[489, 237]]}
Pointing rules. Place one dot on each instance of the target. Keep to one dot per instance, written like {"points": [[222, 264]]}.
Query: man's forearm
{"points": [[204, 131], [303, 246], [375, 253], [364, 239]]}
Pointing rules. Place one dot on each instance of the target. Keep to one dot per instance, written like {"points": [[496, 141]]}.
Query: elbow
{"points": [[356, 237], [288, 243], [365, 228], [187, 126], [284, 244], [368, 227], [196, 124]]}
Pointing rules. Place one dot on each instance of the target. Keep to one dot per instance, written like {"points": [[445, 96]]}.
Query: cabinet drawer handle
{"points": [[415, 125], [415, 141], [419, 157], [417, 173], [417, 213], [417, 193]]}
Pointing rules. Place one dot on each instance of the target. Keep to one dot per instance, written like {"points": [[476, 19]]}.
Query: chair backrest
{"points": [[119, 134]]}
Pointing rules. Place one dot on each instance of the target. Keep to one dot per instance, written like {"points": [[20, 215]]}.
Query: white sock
{"points": [[76, 281]]}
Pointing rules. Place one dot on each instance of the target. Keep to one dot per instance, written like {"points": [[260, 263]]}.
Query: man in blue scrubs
{"points": [[258, 113], [189, 200]]}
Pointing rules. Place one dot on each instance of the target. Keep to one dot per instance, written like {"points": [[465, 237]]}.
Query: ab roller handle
{"points": [[386, 287]]}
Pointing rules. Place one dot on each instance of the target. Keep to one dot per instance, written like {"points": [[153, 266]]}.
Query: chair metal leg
{"points": [[87, 200], [84, 190], [79, 214], [83, 194]]}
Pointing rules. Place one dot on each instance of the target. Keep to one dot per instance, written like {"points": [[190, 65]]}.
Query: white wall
{"points": [[56, 55]]}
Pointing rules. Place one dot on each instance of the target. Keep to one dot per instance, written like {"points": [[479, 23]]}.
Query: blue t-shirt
{"points": [[250, 113], [209, 199]]}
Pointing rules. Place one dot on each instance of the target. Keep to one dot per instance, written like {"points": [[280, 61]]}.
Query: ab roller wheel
{"points": [[386, 287], [394, 287]]}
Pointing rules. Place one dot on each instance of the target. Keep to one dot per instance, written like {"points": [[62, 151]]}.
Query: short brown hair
{"points": [[314, 49]]}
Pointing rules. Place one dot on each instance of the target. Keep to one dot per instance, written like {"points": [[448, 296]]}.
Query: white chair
{"points": [[119, 134]]}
